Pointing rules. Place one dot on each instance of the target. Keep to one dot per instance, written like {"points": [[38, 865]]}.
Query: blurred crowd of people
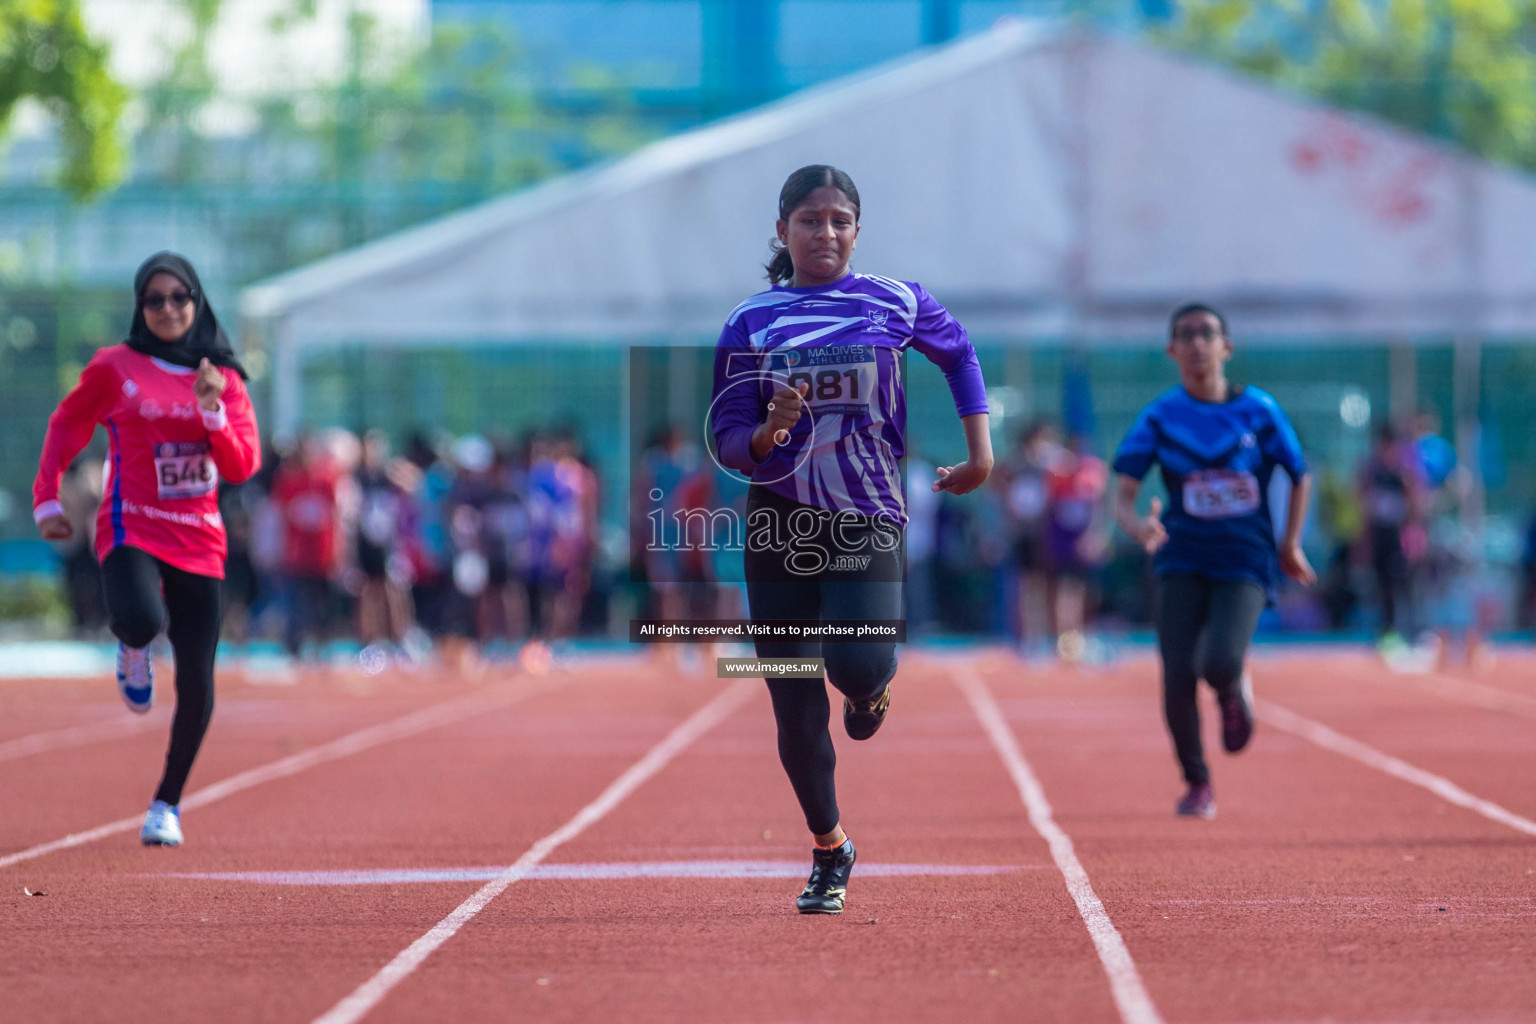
{"points": [[1033, 556], [1398, 534], [476, 541], [466, 542], [1402, 558]]}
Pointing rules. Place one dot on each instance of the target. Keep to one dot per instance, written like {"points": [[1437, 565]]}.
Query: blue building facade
{"points": [[690, 60]]}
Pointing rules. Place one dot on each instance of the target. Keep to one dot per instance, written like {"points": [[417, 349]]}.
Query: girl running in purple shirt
{"points": [[809, 404]]}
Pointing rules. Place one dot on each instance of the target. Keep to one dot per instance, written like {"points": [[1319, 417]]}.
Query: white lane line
{"points": [[1298, 725], [371, 992], [78, 736], [352, 743], [620, 870], [1478, 694], [1130, 995]]}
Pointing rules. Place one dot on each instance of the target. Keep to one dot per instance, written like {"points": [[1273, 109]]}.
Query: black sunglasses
{"points": [[155, 303]]}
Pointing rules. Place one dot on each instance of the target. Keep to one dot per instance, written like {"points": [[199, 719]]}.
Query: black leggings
{"points": [[1204, 627], [860, 670], [1394, 579], [135, 582]]}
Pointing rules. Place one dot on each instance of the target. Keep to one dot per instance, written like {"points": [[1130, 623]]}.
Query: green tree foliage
{"points": [[458, 114], [1463, 70], [172, 104], [452, 124], [399, 136], [46, 54]]}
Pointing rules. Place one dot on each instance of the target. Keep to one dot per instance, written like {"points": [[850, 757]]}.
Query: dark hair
{"points": [[796, 188], [1195, 307]]}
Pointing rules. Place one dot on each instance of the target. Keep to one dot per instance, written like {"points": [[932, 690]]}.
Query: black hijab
{"points": [[204, 340]]}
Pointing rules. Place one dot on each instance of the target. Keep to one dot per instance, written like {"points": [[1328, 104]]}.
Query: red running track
{"points": [[1326, 888]]}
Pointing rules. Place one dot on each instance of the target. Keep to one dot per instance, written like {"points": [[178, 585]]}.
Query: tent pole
{"points": [[1018, 373], [287, 380], [1403, 375], [1076, 397], [681, 378], [1467, 368], [1467, 387]]}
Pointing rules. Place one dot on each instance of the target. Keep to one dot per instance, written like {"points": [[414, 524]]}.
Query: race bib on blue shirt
{"points": [[1221, 493]]}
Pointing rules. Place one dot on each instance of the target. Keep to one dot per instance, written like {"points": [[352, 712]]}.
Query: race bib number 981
{"points": [[838, 378], [1221, 493], [184, 469]]}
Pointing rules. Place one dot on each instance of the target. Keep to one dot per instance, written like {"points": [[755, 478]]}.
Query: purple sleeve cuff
{"points": [[967, 387], [735, 449], [46, 509]]}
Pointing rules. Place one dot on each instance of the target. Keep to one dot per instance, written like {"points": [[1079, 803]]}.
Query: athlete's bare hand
{"points": [[961, 479], [784, 411], [1293, 562], [1150, 532], [209, 386], [55, 527]]}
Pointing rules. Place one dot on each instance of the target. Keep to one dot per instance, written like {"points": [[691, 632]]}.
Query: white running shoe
{"points": [[374, 659], [162, 825], [135, 677]]}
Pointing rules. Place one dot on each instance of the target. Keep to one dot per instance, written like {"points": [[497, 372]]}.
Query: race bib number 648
{"points": [[184, 469], [1221, 493]]}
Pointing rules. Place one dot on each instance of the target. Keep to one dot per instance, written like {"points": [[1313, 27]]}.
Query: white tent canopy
{"points": [[1042, 184]]}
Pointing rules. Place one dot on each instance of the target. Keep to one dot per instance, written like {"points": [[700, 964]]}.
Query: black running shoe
{"points": [[828, 885], [1237, 715], [1199, 802], [862, 718]]}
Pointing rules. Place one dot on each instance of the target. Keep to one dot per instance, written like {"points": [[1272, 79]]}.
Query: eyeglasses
{"points": [[1197, 334], [155, 303]]}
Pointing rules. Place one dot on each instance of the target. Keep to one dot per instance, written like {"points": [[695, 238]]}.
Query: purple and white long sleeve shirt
{"points": [[845, 341]]}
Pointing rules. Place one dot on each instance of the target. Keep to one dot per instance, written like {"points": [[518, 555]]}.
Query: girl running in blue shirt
{"points": [[1215, 555]]}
